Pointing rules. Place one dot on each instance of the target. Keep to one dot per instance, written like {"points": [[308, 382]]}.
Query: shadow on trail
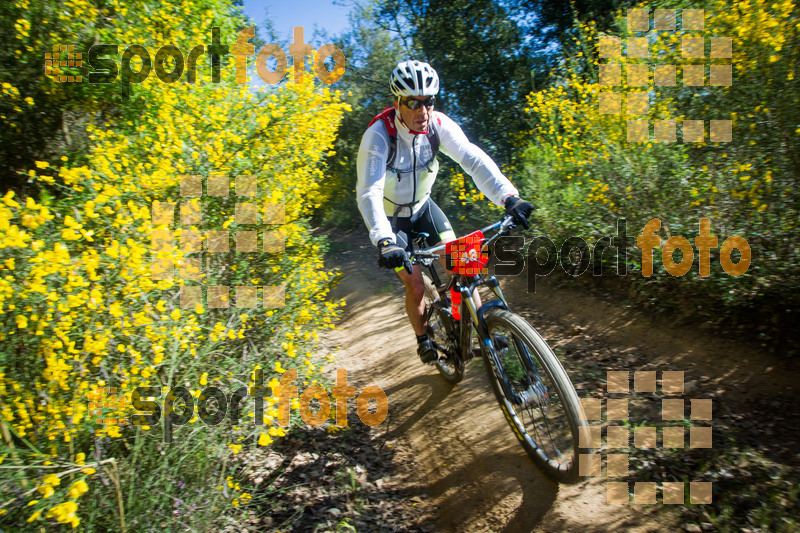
{"points": [[317, 481], [439, 390], [476, 489], [470, 494]]}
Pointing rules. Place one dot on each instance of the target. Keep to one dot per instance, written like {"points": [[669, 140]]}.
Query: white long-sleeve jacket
{"points": [[380, 190]]}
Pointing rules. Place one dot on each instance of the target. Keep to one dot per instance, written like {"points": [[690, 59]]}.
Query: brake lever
{"points": [[507, 225]]}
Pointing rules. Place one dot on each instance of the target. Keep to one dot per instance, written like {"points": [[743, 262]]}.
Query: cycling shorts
{"points": [[430, 220]]}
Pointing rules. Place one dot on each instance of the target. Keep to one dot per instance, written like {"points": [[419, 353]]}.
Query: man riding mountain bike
{"points": [[396, 169]]}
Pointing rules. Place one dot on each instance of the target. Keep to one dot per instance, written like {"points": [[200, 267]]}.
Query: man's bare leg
{"points": [[415, 301]]}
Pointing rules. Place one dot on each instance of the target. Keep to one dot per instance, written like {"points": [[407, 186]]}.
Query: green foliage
{"points": [[482, 59], [555, 19], [39, 117], [585, 173]]}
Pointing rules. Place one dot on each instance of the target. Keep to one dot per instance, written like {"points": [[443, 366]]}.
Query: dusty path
{"points": [[468, 460], [471, 466]]}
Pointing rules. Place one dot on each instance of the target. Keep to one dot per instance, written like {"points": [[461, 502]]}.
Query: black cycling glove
{"points": [[519, 209], [392, 256]]}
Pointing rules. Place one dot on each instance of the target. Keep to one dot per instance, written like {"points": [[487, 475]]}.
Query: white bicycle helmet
{"points": [[414, 78]]}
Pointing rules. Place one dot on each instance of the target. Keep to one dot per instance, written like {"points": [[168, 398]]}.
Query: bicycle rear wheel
{"points": [[536, 395], [442, 331]]}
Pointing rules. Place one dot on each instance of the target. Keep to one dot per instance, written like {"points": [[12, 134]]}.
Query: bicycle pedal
{"points": [[473, 354]]}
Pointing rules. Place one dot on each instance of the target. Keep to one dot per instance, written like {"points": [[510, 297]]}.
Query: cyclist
{"points": [[396, 170]]}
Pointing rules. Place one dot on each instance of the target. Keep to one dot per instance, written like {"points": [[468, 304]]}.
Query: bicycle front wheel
{"points": [[535, 393]]}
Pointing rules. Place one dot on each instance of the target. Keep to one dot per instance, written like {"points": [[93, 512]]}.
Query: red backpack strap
{"points": [[387, 116]]}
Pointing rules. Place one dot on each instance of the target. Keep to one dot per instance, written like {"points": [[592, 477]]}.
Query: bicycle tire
{"points": [[441, 329], [531, 384]]}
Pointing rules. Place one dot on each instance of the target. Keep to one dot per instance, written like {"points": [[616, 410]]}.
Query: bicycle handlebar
{"points": [[503, 226]]}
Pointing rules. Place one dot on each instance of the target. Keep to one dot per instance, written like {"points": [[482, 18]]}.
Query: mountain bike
{"points": [[532, 388]]}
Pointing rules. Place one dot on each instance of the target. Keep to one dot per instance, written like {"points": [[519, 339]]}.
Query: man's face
{"points": [[415, 119]]}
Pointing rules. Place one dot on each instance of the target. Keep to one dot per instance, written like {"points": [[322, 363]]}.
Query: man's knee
{"points": [[414, 284]]}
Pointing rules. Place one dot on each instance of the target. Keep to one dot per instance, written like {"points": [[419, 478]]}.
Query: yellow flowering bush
{"points": [[585, 172], [80, 309]]}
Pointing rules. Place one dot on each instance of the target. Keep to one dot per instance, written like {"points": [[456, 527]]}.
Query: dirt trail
{"points": [[468, 460]]}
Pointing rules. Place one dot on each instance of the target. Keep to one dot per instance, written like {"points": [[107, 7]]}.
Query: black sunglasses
{"points": [[413, 104]]}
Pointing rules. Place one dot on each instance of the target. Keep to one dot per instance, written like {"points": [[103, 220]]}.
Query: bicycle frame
{"points": [[534, 391], [466, 285]]}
